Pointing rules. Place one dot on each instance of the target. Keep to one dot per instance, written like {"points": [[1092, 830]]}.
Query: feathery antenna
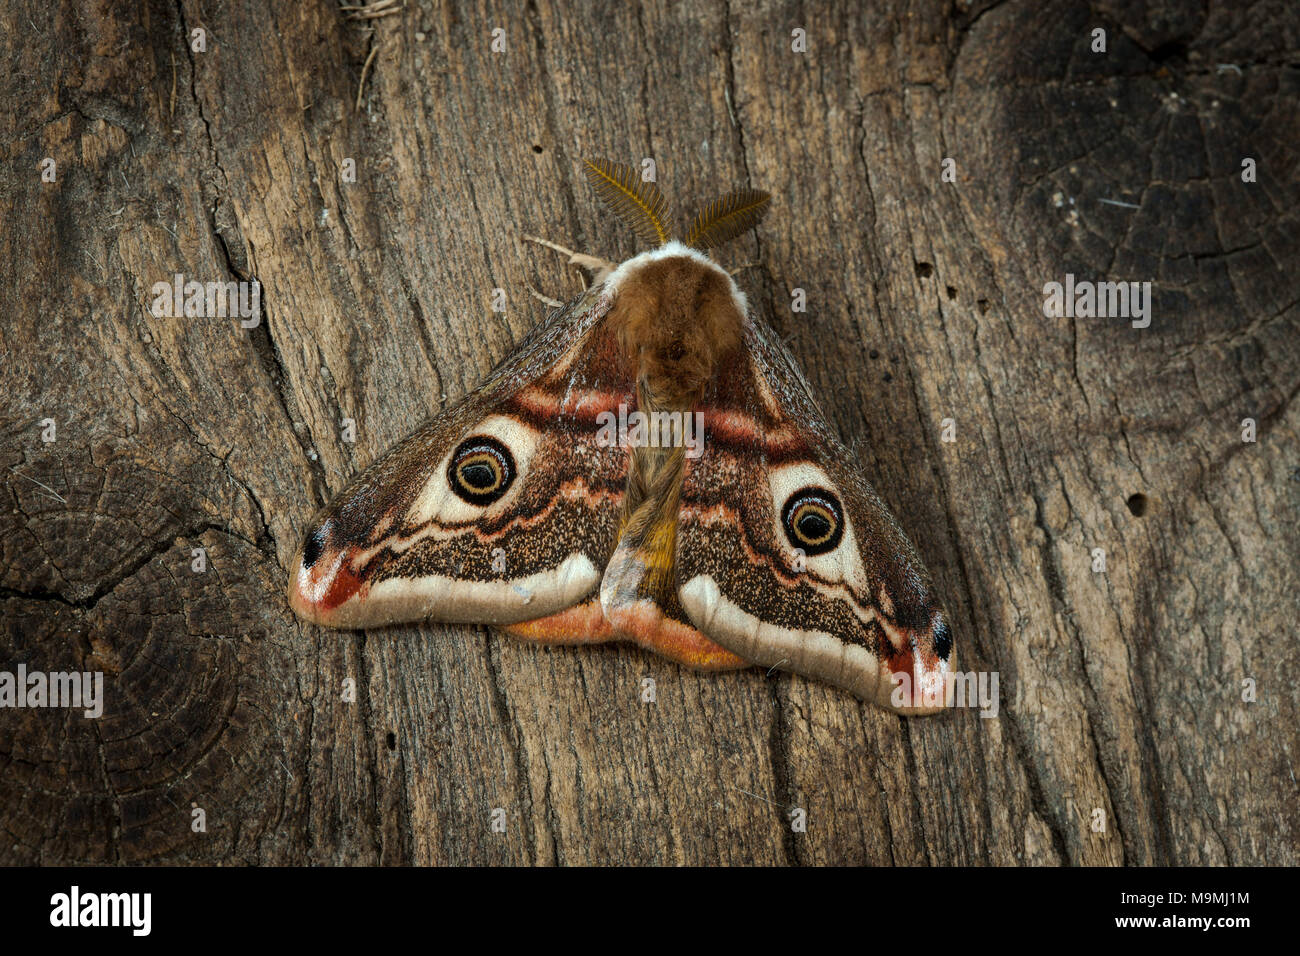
{"points": [[728, 217], [638, 203]]}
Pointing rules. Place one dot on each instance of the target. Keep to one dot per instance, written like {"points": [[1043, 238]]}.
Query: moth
{"points": [[648, 466]]}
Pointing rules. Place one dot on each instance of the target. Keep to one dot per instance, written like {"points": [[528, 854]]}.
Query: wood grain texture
{"points": [[1120, 691]]}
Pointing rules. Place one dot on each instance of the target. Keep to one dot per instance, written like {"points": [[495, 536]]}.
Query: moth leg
{"points": [[598, 267], [546, 299]]}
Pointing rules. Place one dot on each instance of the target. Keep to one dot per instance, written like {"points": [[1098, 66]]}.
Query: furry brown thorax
{"points": [[676, 316]]}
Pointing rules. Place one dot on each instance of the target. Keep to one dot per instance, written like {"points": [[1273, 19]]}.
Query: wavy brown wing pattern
{"points": [[504, 509], [785, 554]]}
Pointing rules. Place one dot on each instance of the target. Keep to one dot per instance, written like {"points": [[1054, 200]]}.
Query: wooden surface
{"points": [[1120, 690]]}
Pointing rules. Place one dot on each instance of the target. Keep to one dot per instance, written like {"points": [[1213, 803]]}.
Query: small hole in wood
{"points": [[392, 741], [1137, 504], [536, 148], [924, 270], [952, 292], [1169, 51]]}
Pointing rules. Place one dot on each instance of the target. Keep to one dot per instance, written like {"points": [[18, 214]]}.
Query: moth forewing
{"points": [[785, 555], [503, 509]]}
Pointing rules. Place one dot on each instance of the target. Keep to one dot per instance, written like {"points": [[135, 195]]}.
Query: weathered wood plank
{"points": [[1120, 690]]}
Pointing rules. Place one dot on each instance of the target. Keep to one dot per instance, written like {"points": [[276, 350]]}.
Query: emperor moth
{"points": [[522, 508]]}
